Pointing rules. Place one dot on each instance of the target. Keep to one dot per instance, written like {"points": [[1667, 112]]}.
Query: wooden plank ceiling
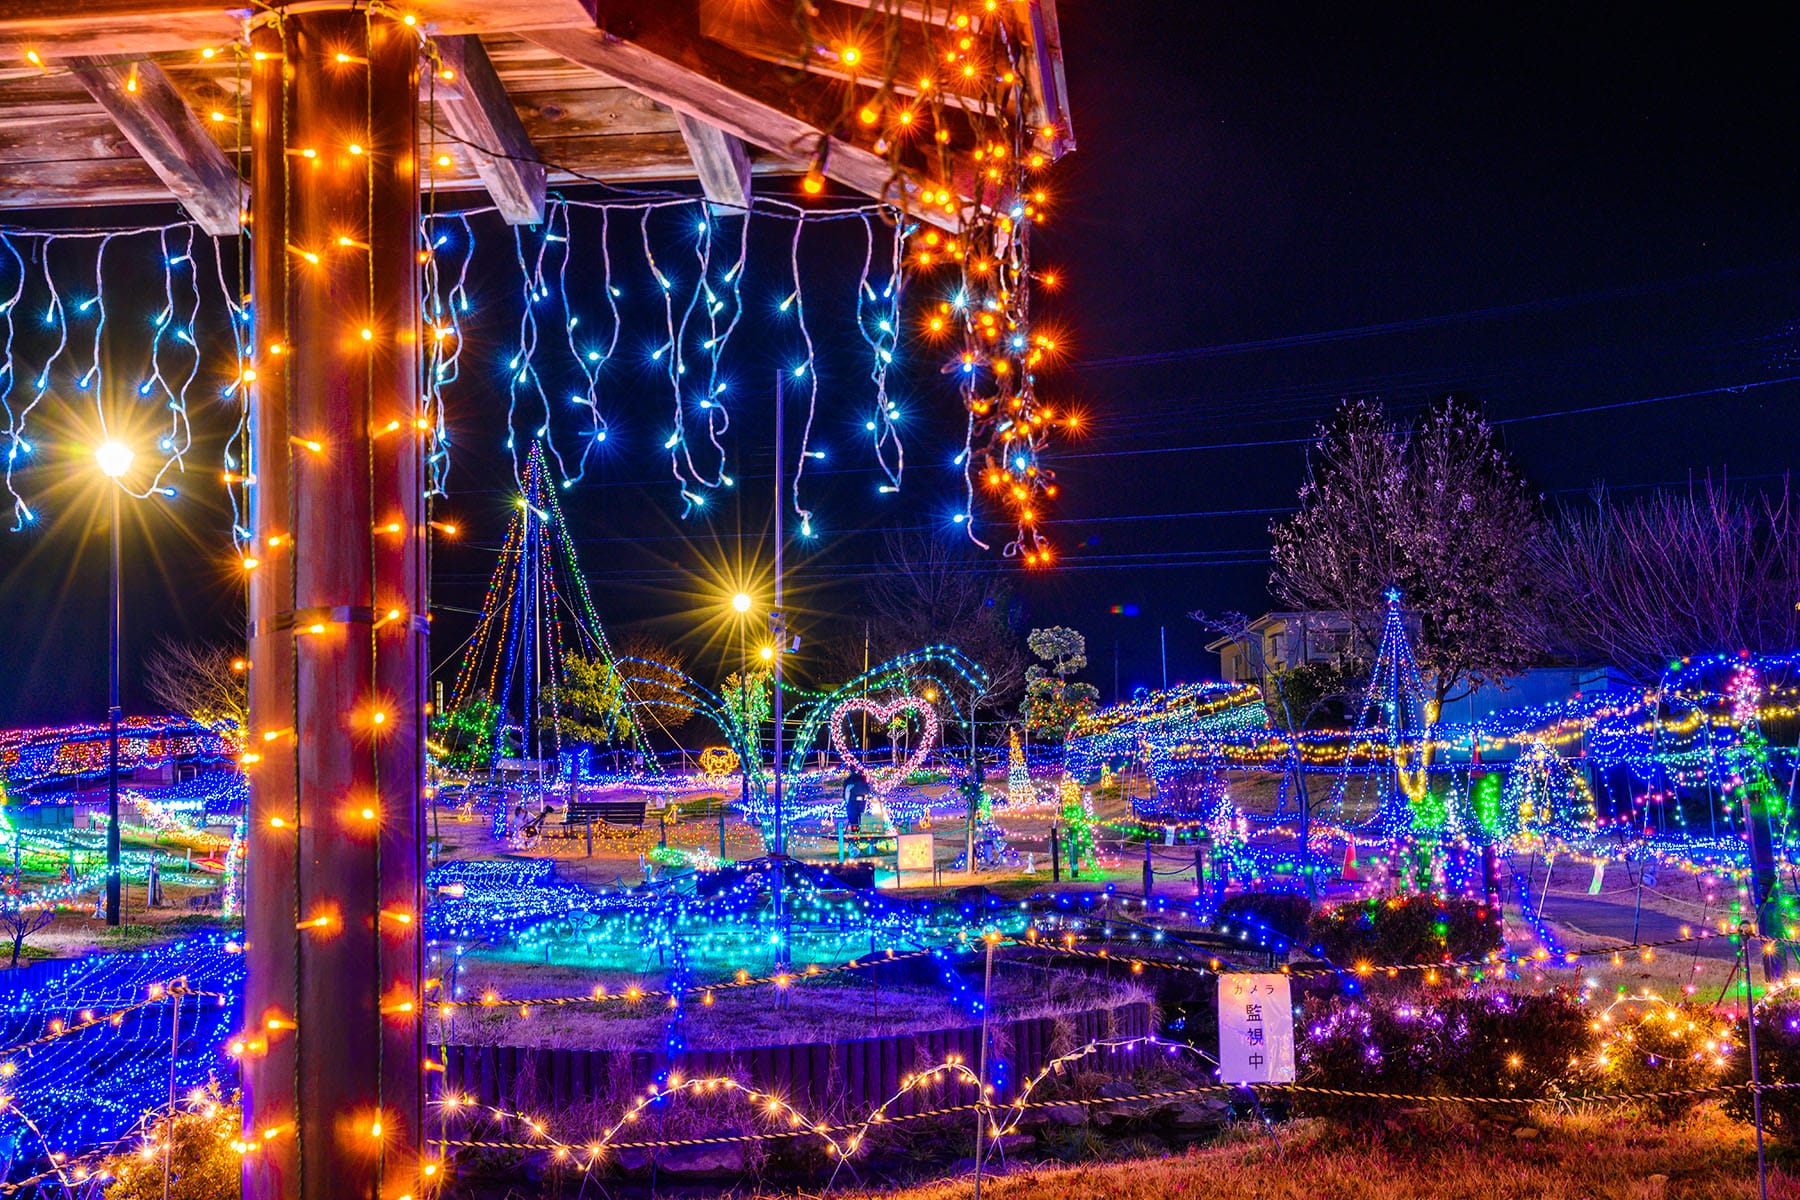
{"points": [[626, 91]]}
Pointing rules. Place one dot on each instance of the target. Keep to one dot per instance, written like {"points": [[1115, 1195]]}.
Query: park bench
{"points": [[580, 813]]}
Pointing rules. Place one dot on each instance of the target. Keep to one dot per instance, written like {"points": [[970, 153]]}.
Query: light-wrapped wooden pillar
{"points": [[333, 1037]]}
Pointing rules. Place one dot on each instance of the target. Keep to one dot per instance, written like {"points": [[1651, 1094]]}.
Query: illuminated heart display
{"points": [[883, 779]]}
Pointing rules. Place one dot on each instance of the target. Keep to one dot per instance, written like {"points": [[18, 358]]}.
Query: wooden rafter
{"points": [[720, 161], [664, 93], [156, 120], [63, 28], [658, 51], [482, 117], [893, 59]]}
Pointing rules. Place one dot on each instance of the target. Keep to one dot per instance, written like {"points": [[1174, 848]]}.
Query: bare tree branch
{"points": [[201, 680]]}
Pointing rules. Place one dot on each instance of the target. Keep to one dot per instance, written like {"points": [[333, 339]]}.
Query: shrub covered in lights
{"points": [[1287, 913], [1778, 1063], [197, 1143], [1405, 929], [1495, 1044], [1646, 1045]]}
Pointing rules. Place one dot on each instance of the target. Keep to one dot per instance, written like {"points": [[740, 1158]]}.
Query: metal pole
{"points": [[777, 618], [743, 725], [981, 1112], [1762, 1166], [1164, 634], [778, 627], [113, 881], [174, 1054]]}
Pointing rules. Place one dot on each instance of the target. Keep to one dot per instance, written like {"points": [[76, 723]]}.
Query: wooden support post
{"points": [[332, 1066]]}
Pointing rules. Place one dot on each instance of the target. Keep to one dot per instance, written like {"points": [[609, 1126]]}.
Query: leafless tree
{"points": [[658, 690], [1697, 570], [201, 680], [932, 590], [1437, 511], [20, 923]]}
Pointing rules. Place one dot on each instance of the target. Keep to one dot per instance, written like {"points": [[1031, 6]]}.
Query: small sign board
{"points": [[1256, 1029], [915, 854]]}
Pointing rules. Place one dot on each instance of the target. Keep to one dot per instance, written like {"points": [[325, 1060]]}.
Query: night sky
{"points": [[1588, 222]]}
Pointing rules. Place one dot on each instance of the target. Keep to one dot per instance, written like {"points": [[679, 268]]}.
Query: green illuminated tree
{"points": [[592, 705], [1054, 702], [747, 698], [464, 737]]}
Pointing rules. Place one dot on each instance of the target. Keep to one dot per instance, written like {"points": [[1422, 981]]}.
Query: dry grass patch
{"points": [[1444, 1156]]}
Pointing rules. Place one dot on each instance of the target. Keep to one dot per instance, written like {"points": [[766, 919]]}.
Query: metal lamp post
{"points": [[114, 459], [740, 604]]}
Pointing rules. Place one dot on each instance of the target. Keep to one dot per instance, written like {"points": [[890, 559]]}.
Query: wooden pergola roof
{"points": [[108, 102]]}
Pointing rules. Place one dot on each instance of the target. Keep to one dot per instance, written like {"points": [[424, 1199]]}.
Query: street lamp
{"points": [[114, 459]]}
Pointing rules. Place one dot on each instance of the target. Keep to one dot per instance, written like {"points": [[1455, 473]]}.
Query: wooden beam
{"points": [[1044, 72], [66, 177], [64, 28], [765, 30], [482, 116], [720, 161], [157, 121], [668, 61]]}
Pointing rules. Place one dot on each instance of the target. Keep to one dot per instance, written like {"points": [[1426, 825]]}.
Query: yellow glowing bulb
{"points": [[355, 148], [443, 160], [368, 814], [851, 56], [368, 335], [378, 717], [250, 564], [375, 1129]]}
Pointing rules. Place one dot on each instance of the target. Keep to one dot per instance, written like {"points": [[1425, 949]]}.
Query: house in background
{"points": [[1281, 641]]}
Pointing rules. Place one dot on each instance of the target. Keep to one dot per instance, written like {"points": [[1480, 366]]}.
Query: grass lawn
{"points": [[1436, 1156]]}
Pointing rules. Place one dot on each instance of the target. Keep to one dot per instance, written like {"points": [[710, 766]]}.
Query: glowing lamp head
{"points": [[741, 602], [767, 652], [114, 458]]}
